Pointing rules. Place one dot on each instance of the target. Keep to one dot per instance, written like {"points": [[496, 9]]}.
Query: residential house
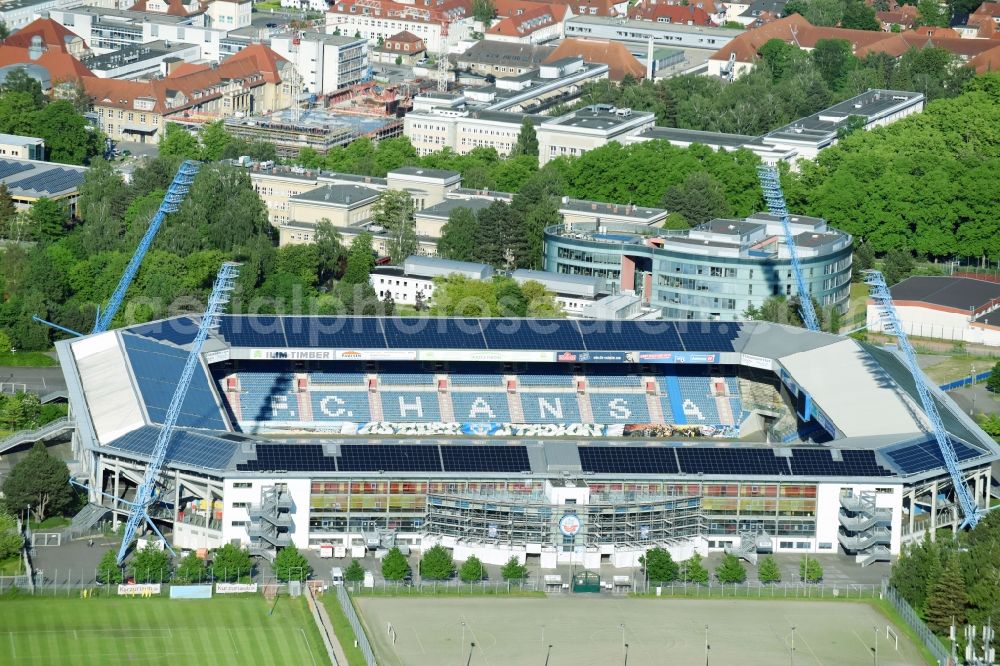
{"points": [[659, 12], [900, 19], [53, 36], [491, 58], [404, 46], [531, 25], [441, 24]]}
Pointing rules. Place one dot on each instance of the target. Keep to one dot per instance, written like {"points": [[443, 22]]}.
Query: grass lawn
{"points": [[958, 366], [51, 522], [224, 631], [342, 628], [27, 359], [267, 6]]}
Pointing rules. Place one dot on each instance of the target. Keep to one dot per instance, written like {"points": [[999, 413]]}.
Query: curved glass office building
{"points": [[713, 271]]}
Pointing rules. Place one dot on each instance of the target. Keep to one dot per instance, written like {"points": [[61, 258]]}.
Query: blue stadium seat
{"points": [[476, 379], [340, 406], [410, 406], [614, 381], [481, 407], [619, 408], [542, 381], [550, 408]]}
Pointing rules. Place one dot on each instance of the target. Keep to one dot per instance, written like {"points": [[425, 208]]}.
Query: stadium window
{"points": [[826, 545], [242, 484], [239, 523], [241, 505]]}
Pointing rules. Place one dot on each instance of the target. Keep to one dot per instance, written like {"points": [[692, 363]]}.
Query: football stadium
{"points": [[554, 441]]}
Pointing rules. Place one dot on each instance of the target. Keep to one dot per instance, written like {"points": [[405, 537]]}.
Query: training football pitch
{"points": [[231, 631], [592, 631]]}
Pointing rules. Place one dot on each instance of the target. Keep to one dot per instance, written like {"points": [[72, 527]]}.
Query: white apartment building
{"points": [[591, 127], [16, 14], [229, 14], [416, 277], [439, 35], [325, 62]]}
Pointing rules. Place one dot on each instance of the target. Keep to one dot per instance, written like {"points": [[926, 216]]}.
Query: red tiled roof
{"points": [[528, 22], [60, 65], [53, 34], [188, 68], [582, 7], [615, 55], [795, 29], [663, 13], [988, 9], [421, 11], [405, 37], [266, 61], [987, 61]]}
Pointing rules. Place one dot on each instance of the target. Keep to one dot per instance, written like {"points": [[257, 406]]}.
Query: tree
{"points": [[947, 599], [7, 210], [472, 570], [360, 260], [10, 538], [40, 481], [810, 570], [796, 7], [436, 564], [932, 14], [484, 11], [214, 139], [180, 142], [355, 573], [659, 566], [768, 570], [68, 137], [824, 12], [993, 383], [4, 31], [513, 570], [191, 569], [854, 124], [730, 570], [527, 141], [231, 563], [781, 57], [290, 564], [698, 199], [108, 571], [394, 565], [859, 16], [394, 212], [693, 571], [458, 236], [834, 59], [864, 259], [898, 266], [151, 565], [19, 81], [48, 219]]}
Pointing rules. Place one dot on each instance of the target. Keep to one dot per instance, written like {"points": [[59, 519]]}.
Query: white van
{"points": [[336, 576]]}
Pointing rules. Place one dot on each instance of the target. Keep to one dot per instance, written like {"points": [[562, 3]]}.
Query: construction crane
{"points": [[771, 184], [891, 325], [145, 494], [178, 189]]}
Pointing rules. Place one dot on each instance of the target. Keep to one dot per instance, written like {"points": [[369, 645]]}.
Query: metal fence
{"points": [[344, 599], [966, 381], [927, 637]]}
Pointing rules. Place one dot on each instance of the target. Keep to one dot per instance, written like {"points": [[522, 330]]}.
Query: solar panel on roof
{"points": [[608, 335], [289, 458], [551, 334], [179, 330], [820, 462], [718, 460], [708, 336], [357, 332], [485, 458], [252, 331], [628, 459], [389, 457], [926, 455], [185, 447], [10, 168], [434, 333]]}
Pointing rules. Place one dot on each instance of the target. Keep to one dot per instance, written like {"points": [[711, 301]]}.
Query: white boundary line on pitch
{"points": [[308, 647]]}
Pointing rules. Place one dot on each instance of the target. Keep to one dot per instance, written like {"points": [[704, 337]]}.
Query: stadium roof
{"points": [[121, 382]]}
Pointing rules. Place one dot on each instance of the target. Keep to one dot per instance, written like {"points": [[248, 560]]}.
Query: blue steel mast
{"points": [[891, 325], [224, 282], [771, 184], [171, 201]]}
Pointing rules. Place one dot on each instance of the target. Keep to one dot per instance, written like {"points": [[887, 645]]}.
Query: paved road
{"points": [[36, 380], [976, 399]]}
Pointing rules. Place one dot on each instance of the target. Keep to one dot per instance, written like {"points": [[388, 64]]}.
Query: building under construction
{"points": [[291, 130]]}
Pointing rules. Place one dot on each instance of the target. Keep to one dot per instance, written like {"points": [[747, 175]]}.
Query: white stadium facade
{"points": [[551, 440]]}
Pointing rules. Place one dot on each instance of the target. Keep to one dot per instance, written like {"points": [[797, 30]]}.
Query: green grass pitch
{"points": [[223, 631]]}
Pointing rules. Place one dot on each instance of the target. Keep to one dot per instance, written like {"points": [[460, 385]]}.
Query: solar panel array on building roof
{"points": [[460, 458], [179, 330], [52, 181], [185, 447], [923, 456], [481, 334], [389, 457], [289, 458], [820, 462], [738, 461], [628, 459], [10, 168]]}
